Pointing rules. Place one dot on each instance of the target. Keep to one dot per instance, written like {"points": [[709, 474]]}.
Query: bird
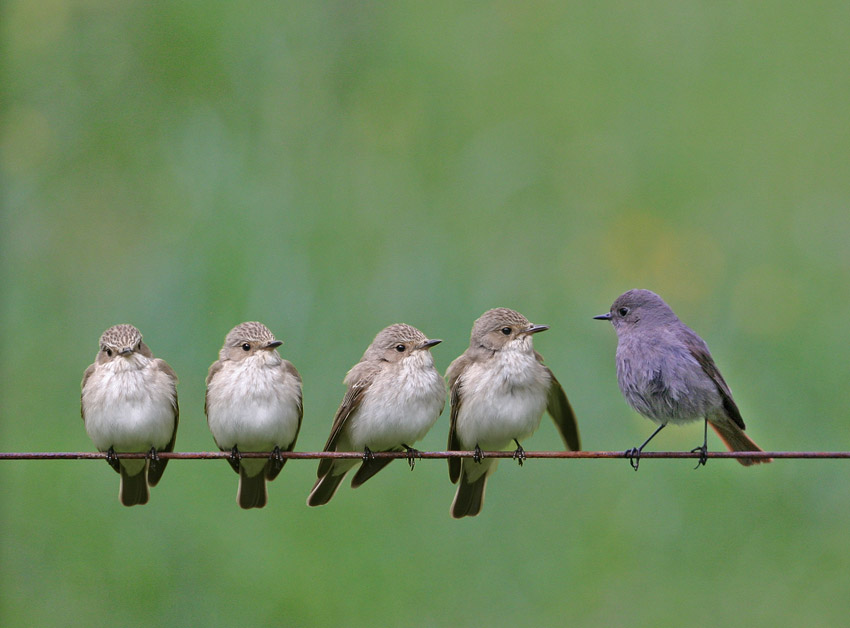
{"points": [[253, 403], [129, 404], [666, 373], [499, 388], [395, 395]]}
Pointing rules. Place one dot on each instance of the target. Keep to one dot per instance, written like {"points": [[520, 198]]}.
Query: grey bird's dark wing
{"points": [[699, 350]]}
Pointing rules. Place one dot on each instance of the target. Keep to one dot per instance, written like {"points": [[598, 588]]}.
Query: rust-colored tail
{"points": [[735, 440]]}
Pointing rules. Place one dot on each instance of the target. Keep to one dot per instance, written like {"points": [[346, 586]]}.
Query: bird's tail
{"points": [[252, 490], [324, 489], [326, 485], [470, 495], [367, 469], [736, 440], [133, 490]]}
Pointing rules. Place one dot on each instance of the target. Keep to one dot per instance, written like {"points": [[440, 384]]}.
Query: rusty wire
{"points": [[312, 455]]}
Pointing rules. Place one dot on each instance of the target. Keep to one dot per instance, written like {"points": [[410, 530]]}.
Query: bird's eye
{"points": [[400, 348], [246, 347], [506, 331], [623, 311], [108, 352]]}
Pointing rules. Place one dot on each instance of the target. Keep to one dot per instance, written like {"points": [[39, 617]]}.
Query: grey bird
{"points": [[129, 404], [499, 388], [394, 396], [253, 404], [666, 373]]}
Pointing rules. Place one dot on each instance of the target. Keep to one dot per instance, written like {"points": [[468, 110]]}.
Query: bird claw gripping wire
{"points": [[703, 455], [519, 453], [633, 455], [235, 458], [477, 454], [154, 460], [112, 460], [276, 459], [411, 455]]}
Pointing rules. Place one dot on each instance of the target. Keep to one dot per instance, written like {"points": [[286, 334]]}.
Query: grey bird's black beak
{"points": [[603, 317], [429, 343], [126, 351], [536, 328], [273, 344]]}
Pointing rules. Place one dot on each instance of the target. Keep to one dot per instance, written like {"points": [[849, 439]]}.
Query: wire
{"points": [[425, 455]]}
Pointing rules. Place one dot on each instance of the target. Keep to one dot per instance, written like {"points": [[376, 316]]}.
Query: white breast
{"points": [[503, 399], [128, 405], [401, 405], [250, 405]]}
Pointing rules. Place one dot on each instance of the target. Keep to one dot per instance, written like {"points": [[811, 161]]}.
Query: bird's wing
{"points": [[215, 368], [273, 468], [155, 471], [86, 376], [699, 350], [359, 384], [291, 370], [562, 414], [454, 375]]}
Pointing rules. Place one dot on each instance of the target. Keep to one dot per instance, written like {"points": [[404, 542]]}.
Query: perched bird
{"points": [[499, 389], [129, 404], [253, 404], [394, 396], [667, 374]]}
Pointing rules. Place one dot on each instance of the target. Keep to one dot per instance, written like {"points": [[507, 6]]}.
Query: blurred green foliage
{"points": [[331, 168]]}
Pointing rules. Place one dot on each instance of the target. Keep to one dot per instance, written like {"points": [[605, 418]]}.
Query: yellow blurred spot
{"points": [[645, 251], [24, 140], [766, 301], [32, 26]]}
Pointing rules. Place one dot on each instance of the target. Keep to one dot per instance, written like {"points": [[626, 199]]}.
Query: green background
{"points": [[331, 168]]}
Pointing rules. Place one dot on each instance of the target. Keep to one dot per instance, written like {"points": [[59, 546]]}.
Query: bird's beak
{"points": [[126, 351], [603, 317], [535, 328], [274, 344], [429, 343]]}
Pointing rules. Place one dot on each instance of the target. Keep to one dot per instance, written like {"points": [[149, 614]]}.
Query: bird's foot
{"points": [[112, 459], [703, 455], [367, 454], [153, 461], [276, 459], [477, 454], [633, 455], [411, 455], [234, 459], [519, 453]]}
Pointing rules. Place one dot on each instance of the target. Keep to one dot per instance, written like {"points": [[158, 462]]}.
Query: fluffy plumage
{"points": [[129, 404], [499, 389]]}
